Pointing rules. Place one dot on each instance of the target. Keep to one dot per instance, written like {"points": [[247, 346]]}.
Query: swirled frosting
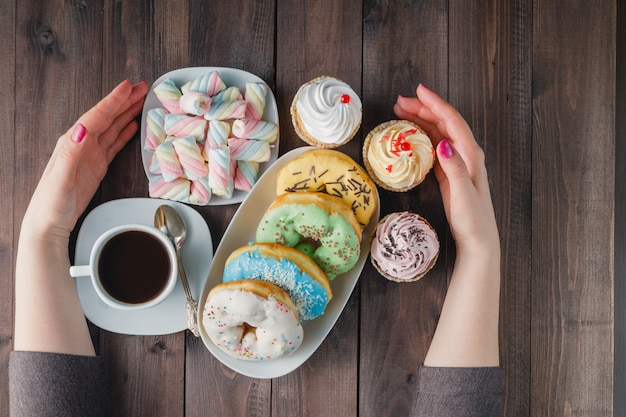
{"points": [[399, 154], [329, 110], [404, 246]]}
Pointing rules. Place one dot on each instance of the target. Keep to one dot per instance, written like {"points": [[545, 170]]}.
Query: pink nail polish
{"points": [[79, 132], [445, 149]]}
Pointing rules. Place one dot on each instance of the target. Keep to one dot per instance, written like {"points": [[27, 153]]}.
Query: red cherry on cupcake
{"points": [[345, 98]]}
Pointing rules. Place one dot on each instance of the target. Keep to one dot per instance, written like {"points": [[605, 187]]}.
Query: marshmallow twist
{"points": [[155, 133], [221, 172], [199, 191], [255, 99], [218, 133], [180, 125], [209, 84], [190, 159], [171, 190], [249, 150], [246, 175], [225, 110], [230, 94], [168, 161], [255, 129], [169, 95], [195, 103]]}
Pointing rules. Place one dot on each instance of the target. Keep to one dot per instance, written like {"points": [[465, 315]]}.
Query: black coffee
{"points": [[134, 267]]}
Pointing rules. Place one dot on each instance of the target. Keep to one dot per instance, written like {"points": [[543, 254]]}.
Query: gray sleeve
{"points": [[51, 384], [459, 392]]}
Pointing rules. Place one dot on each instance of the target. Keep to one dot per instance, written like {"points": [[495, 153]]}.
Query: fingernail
{"points": [[79, 132], [445, 149], [423, 86]]}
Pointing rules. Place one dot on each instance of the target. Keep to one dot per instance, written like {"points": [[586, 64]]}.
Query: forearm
{"points": [[48, 315], [467, 332]]}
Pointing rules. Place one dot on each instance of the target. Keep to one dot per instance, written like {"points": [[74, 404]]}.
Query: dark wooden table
{"points": [[537, 82]]}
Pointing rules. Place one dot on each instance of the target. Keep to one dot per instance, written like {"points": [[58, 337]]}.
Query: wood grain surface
{"points": [[541, 85]]}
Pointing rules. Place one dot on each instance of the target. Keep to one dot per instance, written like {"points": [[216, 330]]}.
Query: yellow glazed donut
{"points": [[320, 225], [252, 320], [334, 173]]}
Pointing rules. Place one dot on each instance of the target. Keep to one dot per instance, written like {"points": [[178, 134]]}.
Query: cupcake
{"points": [[326, 112], [404, 247], [398, 154]]}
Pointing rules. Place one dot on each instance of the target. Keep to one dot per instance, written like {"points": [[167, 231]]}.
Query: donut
{"points": [[252, 320], [317, 223], [334, 173], [288, 268]]}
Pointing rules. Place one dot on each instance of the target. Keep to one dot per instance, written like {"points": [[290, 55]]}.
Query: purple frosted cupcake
{"points": [[404, 247]]}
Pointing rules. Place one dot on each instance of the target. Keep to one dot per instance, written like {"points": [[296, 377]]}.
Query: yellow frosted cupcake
{"points": [[326, 112], [404, 247], [398, 154]]}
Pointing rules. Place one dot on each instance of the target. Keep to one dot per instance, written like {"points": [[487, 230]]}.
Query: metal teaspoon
{"points": [[168, 221]]}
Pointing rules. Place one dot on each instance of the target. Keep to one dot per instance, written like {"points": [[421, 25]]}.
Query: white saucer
{"points": [[169, 316]]}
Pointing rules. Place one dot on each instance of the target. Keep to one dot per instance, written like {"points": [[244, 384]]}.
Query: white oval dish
{"points": [[231, 77], [242, 230]]}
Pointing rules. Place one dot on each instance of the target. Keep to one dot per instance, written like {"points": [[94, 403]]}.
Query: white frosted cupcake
{"points": [[404, 247], [398, 154], [326, 112]]}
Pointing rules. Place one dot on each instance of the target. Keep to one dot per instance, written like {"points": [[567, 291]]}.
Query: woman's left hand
{"points": [[81, 158]]}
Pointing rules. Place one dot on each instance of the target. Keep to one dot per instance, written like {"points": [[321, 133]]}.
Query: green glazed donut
{"points": [[320, 225]]}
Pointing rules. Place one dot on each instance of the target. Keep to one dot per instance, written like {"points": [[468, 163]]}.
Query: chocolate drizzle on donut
{"points": [[339, 187], [299, 186]]}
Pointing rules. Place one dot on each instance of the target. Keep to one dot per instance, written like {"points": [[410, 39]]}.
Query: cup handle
{"points": [[80, 271]]}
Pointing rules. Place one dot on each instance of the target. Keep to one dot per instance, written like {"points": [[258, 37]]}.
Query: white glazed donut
{"points": [[252, 320]]}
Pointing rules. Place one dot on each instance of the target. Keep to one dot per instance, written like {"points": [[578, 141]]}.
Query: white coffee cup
{"points": [[132, 267]]}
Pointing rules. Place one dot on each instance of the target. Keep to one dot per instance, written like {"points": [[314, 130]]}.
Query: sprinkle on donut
{"points": [[318, 219]]}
